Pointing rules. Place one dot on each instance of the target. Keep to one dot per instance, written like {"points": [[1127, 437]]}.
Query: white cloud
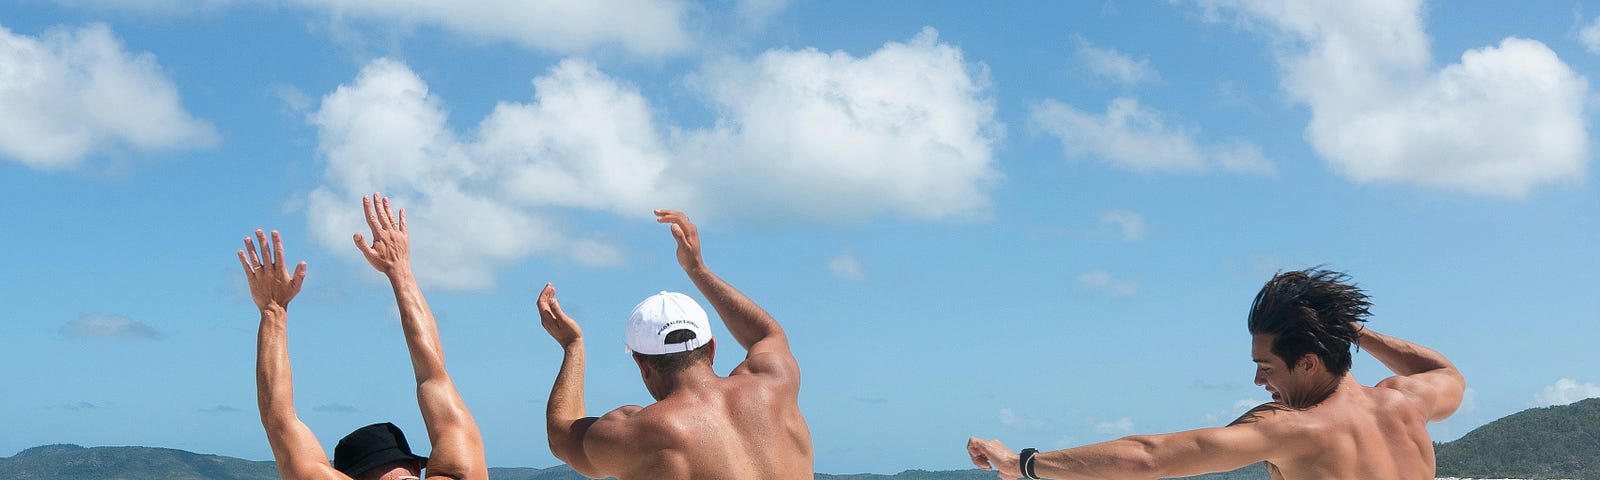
{"points": [[1115, 66], [1504, 120], [1590, 36], [71, 93], [643, 27], [109, 326], [640, 27], [1121, 426], [908, 130], [846, 266], [475, 203], [1130, 224], [1101, 280], [1136, 138], [1566, 391], [803, 134]]}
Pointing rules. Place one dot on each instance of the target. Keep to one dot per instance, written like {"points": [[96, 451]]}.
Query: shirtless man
{"points": [[703, 426], [373, 452], [1321, 423]]}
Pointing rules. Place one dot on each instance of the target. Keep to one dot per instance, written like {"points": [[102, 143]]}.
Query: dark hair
{"points": [[669, 363], [1310, 311]]}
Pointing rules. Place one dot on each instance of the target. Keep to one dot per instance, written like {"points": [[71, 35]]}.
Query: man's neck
{"points": [[689, 380]]}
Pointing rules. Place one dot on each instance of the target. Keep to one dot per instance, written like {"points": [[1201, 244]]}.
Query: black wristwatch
{"points": [[1025, 462]]}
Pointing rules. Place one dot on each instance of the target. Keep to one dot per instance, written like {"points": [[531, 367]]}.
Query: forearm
{"points": [[421, 332], [1402, 357], [1125, 458], [274, 384], [565, 410], [746, 321]]}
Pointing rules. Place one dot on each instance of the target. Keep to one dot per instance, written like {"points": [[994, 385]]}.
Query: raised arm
{"points": [[294, 447], [583, 442], [457, 445], [1421, 372], [755, 330]]}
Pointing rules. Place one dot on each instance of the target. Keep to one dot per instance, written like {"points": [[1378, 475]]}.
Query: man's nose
{"points": [[1260, 380]]}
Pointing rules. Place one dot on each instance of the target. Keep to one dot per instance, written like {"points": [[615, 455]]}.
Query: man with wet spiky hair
{"points": [[1321, 422]]}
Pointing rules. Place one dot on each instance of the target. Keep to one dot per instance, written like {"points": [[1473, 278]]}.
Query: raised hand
{"points": [[993, 455], [687, 236], [271, 285], [560, 326], [390, 250]]}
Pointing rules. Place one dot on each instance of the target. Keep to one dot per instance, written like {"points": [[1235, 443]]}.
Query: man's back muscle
{"points": [[1358, 432]]}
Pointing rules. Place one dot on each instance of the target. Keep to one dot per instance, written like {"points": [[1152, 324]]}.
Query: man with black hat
{"points": [[703, 426], [378, 451]]}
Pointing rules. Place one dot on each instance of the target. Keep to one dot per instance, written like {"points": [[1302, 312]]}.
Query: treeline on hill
{"points": [[1550, 442], [1540, 443]]}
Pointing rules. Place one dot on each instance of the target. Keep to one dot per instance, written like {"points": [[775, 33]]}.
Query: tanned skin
{"points": [[1318, 426], [703, 426], [457, 446]]}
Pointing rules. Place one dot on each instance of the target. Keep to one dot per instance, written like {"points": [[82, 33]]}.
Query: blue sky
{"points": [[1036, 221]]}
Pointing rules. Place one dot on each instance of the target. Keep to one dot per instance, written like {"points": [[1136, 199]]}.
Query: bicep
{"points": [[1209, 450], [596, 446], [297, 452]]}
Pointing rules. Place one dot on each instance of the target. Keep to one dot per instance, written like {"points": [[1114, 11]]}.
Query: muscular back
{"points": [[1358, 432], [739, 427]]}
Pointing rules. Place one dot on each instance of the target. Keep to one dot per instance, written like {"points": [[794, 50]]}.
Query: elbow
{"points": [[1141, 460]]}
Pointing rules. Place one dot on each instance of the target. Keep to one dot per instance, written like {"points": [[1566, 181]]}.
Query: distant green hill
{"points": [[72, 462], [1550, 442]]}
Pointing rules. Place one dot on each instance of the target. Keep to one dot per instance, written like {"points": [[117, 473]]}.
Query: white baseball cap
{"points": [[664, 313]]}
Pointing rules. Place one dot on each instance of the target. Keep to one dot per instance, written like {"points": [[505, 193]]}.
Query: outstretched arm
{"points": [[1180, 454], [457, 445], [1421, 372], [755, 330], [294, 447]]}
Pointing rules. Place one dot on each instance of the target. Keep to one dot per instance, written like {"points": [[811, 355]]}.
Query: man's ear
{"points": [[713, 353], [1310, 362], [645, 371]]}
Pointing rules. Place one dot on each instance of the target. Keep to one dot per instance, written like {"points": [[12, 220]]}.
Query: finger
{"points": [[261, 240], [277, 252], [389, 212], [545, 295], [361, 244], [384, 215], [299, 276], [250, 248], [244, 263], [402, 219], [372, 217]]}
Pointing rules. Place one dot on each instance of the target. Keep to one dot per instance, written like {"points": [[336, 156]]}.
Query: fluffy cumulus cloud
{"points": [[109, 326], [1134, 137], [385, 132], [1113, 65], [1501, 121], [72, 92], [1566, 391], [906, 130]]}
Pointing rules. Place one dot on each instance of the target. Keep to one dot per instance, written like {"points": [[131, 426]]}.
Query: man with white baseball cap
{"points": [[702, 426]]}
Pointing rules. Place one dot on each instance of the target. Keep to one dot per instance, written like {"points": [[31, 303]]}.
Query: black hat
{"points": [[370, 447]]}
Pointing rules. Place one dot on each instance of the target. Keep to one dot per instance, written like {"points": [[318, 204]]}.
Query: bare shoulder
{"points": [[1279, 422], [776, 366], [615, 427]]}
